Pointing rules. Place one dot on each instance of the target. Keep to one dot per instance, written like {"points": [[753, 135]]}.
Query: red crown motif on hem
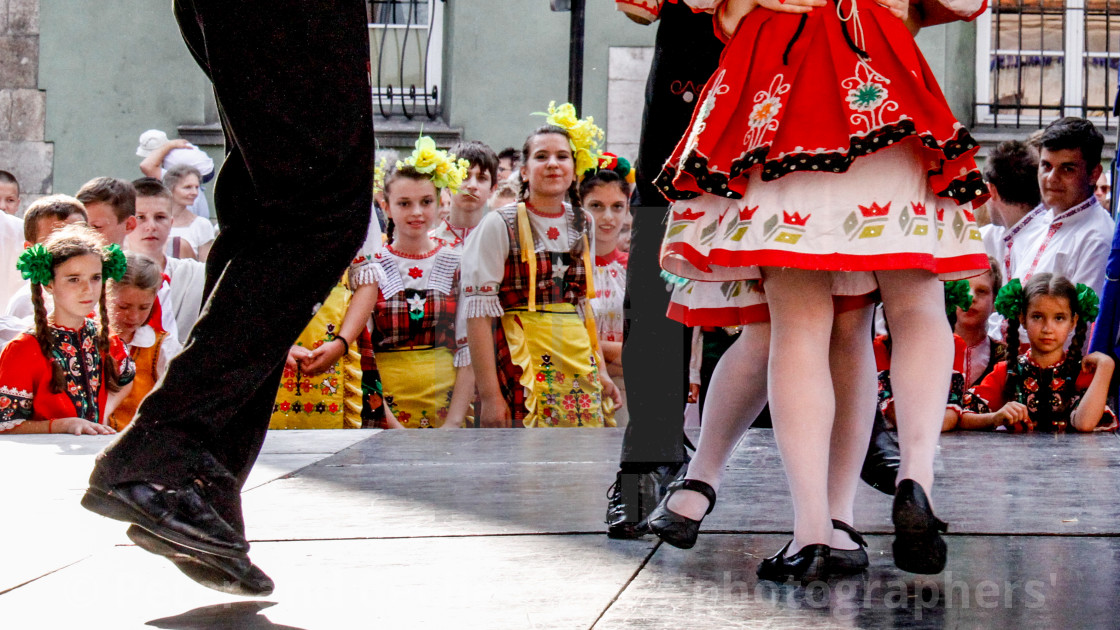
{"points": [[795, 218], [687, 215], [941, 214], [919, 208], [875, 210], [746, 214]]}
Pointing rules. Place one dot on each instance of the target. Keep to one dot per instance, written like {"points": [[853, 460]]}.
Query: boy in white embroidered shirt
{"points": [[1078, 233]]}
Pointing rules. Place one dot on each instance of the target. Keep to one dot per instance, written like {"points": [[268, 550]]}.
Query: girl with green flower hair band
{"points": [[410, 287], [68, 374], [1046, 388]]}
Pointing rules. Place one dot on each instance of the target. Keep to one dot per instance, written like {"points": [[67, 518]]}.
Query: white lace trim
{"points": [[442, 278], [12, 391], [389, 277], [462, 357], [482, 306], [363, 274]]}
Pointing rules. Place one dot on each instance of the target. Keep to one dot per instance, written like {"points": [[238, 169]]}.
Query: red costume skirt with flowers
{"points": [[821, 142]]}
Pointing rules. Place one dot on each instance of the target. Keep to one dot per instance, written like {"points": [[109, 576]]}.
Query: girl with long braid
{"points": [[1047, 388], [67, 374], [528, 266]]}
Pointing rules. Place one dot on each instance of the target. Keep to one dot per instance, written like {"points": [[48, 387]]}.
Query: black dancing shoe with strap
{"points": [[676, 529], [848, 561]]}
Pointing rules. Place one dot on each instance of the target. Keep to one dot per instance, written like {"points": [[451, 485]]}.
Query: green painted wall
{"points": [[502, 64], [950, 50], [112, 74], [111, 70]]}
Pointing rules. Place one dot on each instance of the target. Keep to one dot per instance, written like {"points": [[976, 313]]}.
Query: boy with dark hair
{"points": [[111, 206], [1011, 171], [1075, 232], [469, 204], [508, 161], [44, 216], [9, 193]]}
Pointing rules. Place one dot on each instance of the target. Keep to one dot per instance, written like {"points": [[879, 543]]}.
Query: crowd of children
{"points": [[472, 312]]}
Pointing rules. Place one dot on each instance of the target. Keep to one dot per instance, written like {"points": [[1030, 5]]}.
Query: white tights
{"points": [[921, 366], [738, 393], [822, 394]]}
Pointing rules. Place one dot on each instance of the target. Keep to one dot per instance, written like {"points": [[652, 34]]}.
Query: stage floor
{"points": [[495, 529]]}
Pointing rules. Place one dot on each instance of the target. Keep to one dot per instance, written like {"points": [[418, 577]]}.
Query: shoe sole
{"points": [[211, 575], [107, 505], [628, 531]]}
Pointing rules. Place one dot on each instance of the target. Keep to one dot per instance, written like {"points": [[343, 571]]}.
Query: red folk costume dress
{"points": [[25, 377], [822, 142]]}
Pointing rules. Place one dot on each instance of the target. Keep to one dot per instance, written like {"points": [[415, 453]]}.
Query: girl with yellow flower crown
{"points": [[823, 160], [528, 266], [68, 374], [411, 288]]}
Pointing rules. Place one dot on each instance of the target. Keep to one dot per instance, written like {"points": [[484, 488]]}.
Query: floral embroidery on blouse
{"points": [[553, 233]]}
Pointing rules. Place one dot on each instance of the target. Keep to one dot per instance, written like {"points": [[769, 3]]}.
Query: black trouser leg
{"points": [[654, 353], [293, 201]]}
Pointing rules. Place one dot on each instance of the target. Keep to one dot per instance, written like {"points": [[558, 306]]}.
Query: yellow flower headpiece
{"points": [[585, 135], [446, 171], [379, 171]]}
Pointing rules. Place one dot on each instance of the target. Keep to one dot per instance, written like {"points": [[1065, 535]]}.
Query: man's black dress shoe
{"points": [[807, 565], [633, 495], [626, 499], [676, 529], [848, 561], [880, 466], [181, 516], [918, 546], [236, 576]]}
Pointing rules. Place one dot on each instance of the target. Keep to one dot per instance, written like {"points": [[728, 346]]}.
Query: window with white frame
{"points": [[1038, 60], [406, 49]]}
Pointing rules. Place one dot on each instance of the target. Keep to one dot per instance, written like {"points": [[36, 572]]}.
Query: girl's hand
{"points": [[298, 356], [495, 413], [898, 8], [323, 357], [1095, 361], [391, 421], [1013, 413], [79, 426], [610, 389]]}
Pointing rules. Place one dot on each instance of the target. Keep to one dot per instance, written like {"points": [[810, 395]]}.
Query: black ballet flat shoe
{"points": [[675, 529], [180, 516], [807, 565], [848, 561], [235, 576], [918, 546]]}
